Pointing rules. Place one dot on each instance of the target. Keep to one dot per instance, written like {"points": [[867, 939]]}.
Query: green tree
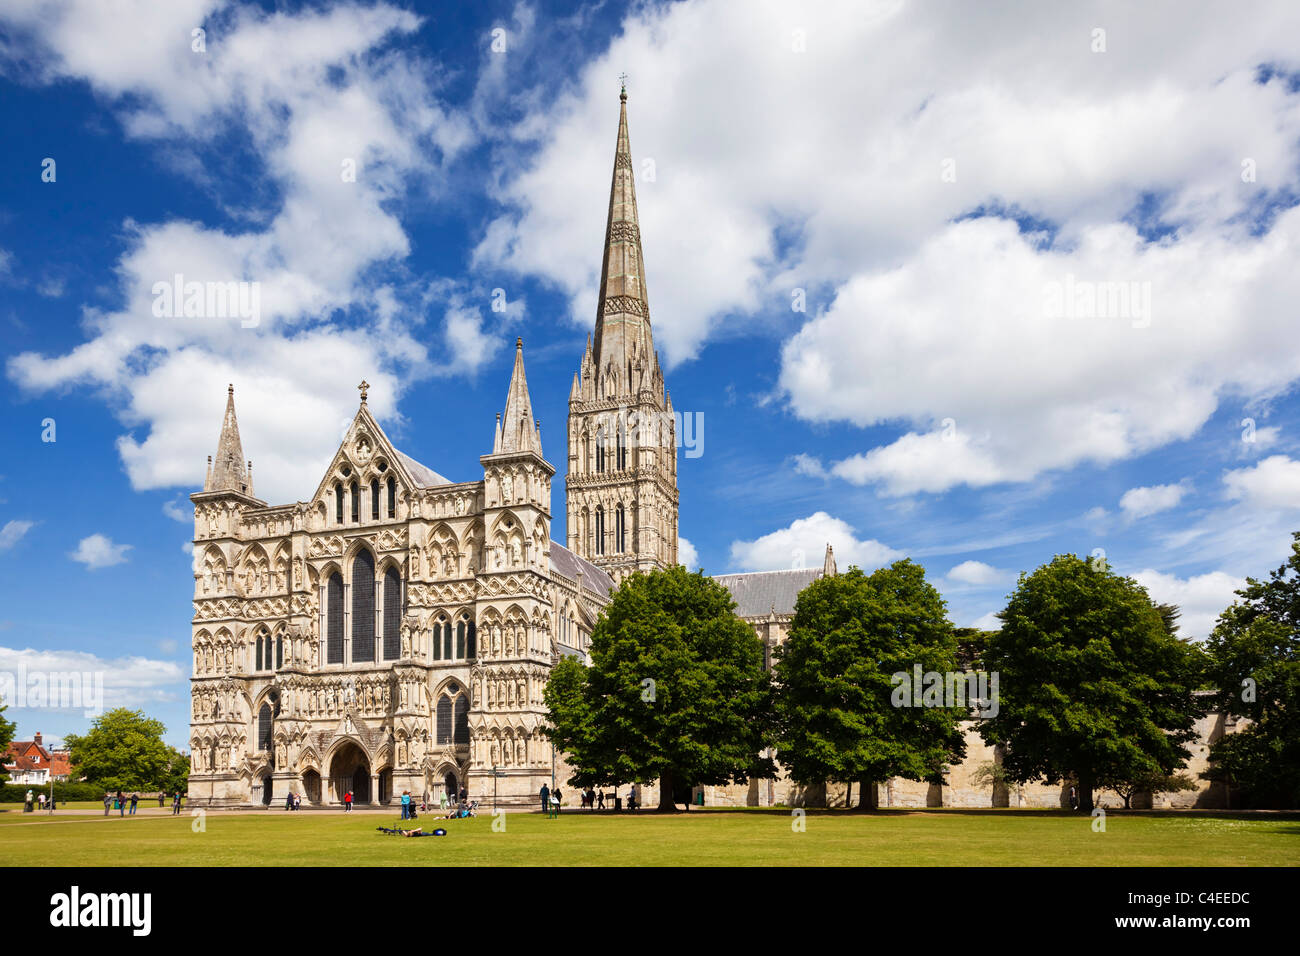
{"points": [[1093, 686], [7, 730], [676, 690], [1151, 783], [835, 698], [124, 750], [1254, 654]]}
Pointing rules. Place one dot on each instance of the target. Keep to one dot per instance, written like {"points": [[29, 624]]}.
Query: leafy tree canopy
{"points": [[1093, 684], [1254, 654], [124, 750], [676, 689], [835, 690]]}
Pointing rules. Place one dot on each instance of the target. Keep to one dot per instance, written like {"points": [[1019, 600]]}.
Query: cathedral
{"points": [[394, 632]]}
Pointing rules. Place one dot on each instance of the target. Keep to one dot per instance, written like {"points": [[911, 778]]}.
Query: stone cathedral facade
{"points": [[395, 630]]}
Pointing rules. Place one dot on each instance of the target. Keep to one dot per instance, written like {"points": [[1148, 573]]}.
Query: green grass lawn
{"points": [[710, 837]]}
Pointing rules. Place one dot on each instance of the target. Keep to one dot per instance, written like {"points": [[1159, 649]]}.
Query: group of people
{"points": [[120, 802], [39, 801], [552, 800], [292, 801]]}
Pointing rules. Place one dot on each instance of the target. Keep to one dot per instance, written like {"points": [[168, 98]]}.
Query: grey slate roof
{"points": [[757, 592], [424, 476], [567, 563]]}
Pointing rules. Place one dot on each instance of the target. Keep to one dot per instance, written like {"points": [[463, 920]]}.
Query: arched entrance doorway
{"points": [[266, 790], [311, 786], [385, 785], [450, 786], [350, 770]]}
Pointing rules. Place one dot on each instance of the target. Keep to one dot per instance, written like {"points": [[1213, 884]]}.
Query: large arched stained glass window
{"points": [[264, 728], [444, 724], [462, 719], [363, 607], [334, 619], [392, 614]]}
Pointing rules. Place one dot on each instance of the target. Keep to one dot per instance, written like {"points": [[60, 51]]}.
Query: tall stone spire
{"points": [[623, 336], [228, 471], [518, 431], [828, 566]]}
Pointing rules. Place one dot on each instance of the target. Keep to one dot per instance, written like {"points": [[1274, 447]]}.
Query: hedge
{"points": [[63, 792]]}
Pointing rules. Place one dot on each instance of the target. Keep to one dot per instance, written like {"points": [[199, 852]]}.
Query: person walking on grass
{"points": [[120, 802], [406, 804], [161, 797], [347, 802], [108, 800], [546, 798], [135, 798], [176, 803]]}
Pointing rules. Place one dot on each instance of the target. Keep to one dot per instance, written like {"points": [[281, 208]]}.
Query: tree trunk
{"points": [[666, 792], [1085, 792], [866, 796]]}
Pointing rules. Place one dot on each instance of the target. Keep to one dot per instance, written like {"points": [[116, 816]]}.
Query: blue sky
{"points": [[859, 223]]}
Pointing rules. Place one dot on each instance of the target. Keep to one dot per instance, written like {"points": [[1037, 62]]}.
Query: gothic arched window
{"points": [[392, 614], [444, 724], [392, 497], [460, 639], [374, 499], [279, 652], [356, 503], [446, 640], [462, 719], [620, 538], [338, 502], [264, 728], [600, 449], [363, 607], [472, 650], [334, 619], [259, 651], [620, 456], [437, 640], [600, 529]]}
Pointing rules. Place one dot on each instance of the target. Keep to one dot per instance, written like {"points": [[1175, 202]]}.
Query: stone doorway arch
{"points": [[350, 770]]}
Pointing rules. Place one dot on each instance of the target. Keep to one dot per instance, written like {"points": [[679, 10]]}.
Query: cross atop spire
{"points": [[364, 388], [622, 93], [228, 471]]}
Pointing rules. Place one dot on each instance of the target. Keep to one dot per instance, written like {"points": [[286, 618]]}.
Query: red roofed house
{"points": [[31, 762]]}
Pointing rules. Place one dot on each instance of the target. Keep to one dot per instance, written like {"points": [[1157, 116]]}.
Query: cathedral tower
{"points": [[621, 488]]}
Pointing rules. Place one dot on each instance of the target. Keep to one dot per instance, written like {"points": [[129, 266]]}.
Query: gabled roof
{"points": [[423, 475], [760, 593], [565, 562]]}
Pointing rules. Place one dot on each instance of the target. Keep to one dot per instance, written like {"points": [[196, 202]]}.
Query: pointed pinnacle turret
{"points": [[228, 471], [518, 430], [622, 308], [828, 566]]}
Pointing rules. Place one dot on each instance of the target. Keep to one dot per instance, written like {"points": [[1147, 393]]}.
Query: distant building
{"points": [[30, 762]]}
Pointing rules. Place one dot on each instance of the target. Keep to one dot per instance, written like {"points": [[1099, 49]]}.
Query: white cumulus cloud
{"points": [[803, 544], [98, 551]]}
